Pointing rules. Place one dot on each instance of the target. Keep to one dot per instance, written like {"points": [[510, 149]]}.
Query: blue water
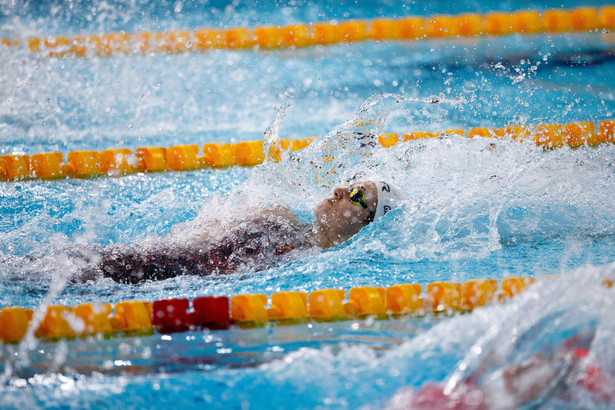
{"points": [[475, 210]]}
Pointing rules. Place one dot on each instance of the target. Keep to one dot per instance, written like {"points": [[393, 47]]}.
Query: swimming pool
{"points": [[477, 210]]}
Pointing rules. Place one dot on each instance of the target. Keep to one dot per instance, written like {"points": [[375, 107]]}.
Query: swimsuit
{"points": [[257, 246]]}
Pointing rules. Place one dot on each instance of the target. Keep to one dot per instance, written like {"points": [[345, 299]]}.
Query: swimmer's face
{"points": [[341, 216]]}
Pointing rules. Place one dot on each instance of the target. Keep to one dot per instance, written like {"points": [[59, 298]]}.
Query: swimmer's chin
{"points": [[320, 211]]}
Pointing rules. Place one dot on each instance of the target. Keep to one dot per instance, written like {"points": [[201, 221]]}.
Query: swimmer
{"points": [[260, 242], [512, 387]]}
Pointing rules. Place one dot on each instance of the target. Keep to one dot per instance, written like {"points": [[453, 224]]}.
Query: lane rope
{"points": [[135, 317], [122, 161], [580, 19]]}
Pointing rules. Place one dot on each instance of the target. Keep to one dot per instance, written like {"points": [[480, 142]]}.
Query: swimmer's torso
{"points": [[256, 244]]}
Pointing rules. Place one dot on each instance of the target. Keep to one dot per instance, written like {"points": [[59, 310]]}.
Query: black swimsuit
{"points": [[257, 246]]}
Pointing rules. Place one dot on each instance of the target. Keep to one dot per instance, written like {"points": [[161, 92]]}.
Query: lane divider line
{"points": [[496, 23], [134, 317], [122, 161]]}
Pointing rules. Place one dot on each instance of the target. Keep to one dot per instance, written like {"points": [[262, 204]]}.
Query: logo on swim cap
{"points": [[389, 197]]}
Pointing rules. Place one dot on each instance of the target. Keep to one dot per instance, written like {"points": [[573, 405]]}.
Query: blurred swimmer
{"points": [[258, 243], [569, 374]]}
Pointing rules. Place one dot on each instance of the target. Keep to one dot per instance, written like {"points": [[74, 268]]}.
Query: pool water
{"points": [[477, 208]]}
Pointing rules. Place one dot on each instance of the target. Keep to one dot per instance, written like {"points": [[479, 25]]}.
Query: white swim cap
{"points": [[389, 197]]}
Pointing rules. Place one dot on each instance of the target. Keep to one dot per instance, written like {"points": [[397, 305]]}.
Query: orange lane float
{"points": [[288, 306], [122, 161], [14, 167], [46, 165], [151, 159], [327, 304], [366, 301], [118, 161], [82, 164], [557, 20], [403, 299], [95, 317], [14, 322]]}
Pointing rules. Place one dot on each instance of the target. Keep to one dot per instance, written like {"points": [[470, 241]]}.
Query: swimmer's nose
{"points": [[339, 193]]}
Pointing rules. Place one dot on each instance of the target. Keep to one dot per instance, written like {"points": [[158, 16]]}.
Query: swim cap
{"points": [[389, 197]]}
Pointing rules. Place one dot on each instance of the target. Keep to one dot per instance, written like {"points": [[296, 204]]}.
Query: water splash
{"points": [[271, 140], [514, 207]]}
